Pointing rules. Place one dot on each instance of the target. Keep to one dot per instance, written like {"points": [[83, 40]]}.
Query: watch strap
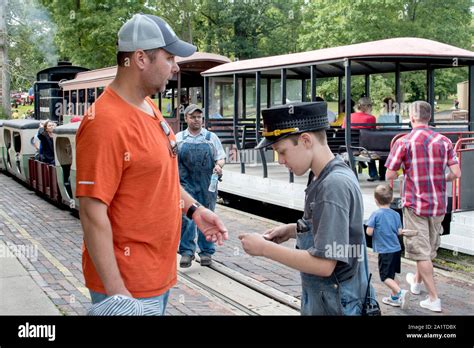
{"points": [[192, 209]]}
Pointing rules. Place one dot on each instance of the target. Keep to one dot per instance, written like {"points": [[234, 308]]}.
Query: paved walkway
{"points": [[53, 274]]}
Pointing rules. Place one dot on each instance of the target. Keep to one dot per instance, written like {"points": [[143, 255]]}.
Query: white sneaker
{"points": [[434, 306], [415, 288], [388, 300], [404, 299]]}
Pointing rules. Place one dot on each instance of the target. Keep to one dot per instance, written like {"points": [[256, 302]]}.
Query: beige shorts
{"points": [[424, 244]]}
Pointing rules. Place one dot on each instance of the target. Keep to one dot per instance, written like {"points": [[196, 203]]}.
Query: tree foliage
{"points": [[85, 31], [335, 23], [30, 48]]}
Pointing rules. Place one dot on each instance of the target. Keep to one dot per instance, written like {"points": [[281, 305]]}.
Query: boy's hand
{"points": [[280, 234], [253, 243]]}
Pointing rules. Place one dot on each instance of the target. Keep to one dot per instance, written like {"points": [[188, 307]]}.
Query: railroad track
{"points": [[237, 292]]}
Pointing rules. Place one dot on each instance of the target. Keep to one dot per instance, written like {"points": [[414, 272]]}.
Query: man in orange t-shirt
{"points": [[127, 175]]}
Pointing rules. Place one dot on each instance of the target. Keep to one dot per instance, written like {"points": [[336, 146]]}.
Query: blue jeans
{"points": [[154, 305], [187, 246]]}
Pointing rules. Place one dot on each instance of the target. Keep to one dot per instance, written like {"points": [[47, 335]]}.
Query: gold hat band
{"points": [[278, 132]]}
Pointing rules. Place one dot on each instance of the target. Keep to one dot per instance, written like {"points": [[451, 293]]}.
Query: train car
{"points": [[81, 92], [239, 90], [48, 96]]}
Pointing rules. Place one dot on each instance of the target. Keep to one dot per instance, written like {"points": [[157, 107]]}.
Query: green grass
{"points": [[22, 109]]}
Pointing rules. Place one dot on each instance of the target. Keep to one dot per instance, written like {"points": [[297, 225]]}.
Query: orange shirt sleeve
{"points": [[101, 153]]}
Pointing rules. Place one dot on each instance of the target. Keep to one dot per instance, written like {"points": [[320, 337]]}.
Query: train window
{"points": [[99, 91], [72, 109], [67, 100], [81, 104], [221, 95], [90, 96]]}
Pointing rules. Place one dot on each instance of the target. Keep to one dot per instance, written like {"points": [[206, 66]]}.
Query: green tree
{"points": [[30, 43], [87, 29], [336, 23]]}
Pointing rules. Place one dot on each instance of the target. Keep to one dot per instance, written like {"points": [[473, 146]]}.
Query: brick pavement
{"points": [[26, 219], [456, 293]]}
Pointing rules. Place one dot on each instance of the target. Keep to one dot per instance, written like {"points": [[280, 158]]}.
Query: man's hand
{"points": [[210, 225], [119, 291], [253, 243], [281, 233], [218, 169]]}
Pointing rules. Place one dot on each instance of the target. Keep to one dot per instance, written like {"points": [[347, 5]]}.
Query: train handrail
{"points": [[460, 148]]}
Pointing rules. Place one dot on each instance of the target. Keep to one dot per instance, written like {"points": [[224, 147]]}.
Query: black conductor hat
{"points": [[281, 121]]}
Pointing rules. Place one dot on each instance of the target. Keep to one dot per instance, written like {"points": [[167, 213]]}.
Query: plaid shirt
{"points": [[424, 155]]}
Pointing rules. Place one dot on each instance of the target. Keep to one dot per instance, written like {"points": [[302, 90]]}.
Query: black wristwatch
{"points": [[192, 209], [302, 226]]}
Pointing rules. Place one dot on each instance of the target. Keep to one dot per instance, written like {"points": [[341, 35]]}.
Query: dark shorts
{"points": [[389, 264]]}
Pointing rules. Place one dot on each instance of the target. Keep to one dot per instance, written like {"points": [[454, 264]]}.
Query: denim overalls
{"points": [[330, 295], [196, 163]]}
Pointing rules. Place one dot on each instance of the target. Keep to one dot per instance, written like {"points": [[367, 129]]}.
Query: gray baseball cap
{"points": [[146, 32], [191, 108]]}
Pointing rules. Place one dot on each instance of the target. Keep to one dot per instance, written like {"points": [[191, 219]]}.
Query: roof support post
{"points": [[179, 107], [313, 83], [339, 94], [367, 85], [398, 91], [160, 101], [471, 98], [347, 70], [303, 90], [206, 100], [244, 97], [283, 86], [430, 90], [283, 102], [172, 99], [269, 93], [258, 88], [236, 121]]}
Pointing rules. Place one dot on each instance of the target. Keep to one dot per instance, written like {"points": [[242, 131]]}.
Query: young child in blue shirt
{"points": [[384, 226]]}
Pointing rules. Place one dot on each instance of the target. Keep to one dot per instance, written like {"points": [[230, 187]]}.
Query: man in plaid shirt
{"points": [[425, 156]]}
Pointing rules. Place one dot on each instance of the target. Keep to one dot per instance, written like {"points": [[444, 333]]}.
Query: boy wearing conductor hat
{"points": [[330, 244]]}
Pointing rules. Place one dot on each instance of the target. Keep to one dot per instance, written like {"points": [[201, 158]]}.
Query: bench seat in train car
{"points": [[65, 159], [224, 129], [2, 149], [377, 141], [17, 137], [336, 138]]}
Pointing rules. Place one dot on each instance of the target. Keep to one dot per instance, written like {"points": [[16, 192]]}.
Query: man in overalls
{"points": [[330, 249], [200, 154]]}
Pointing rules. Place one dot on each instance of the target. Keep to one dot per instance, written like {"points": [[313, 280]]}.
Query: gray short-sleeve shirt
{"points": [[334, 205]]}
